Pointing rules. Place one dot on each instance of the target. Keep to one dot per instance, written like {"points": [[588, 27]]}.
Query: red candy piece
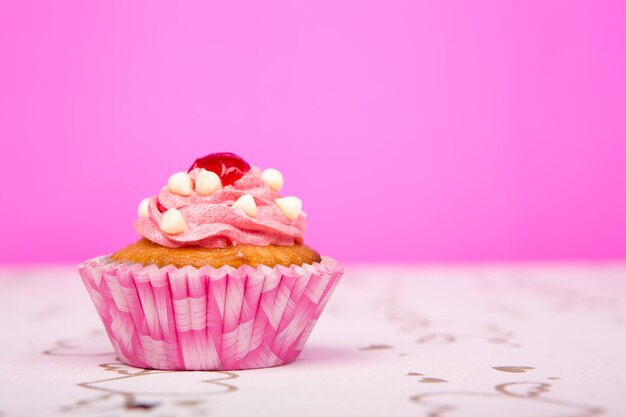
{"points": [[160, 207], [228, 166]]}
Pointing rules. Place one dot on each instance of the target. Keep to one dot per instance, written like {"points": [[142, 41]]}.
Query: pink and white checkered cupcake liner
{"points": [[208, 318]]}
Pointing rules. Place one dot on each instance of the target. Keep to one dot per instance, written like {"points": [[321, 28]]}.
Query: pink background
{"points": [[412, 130]]}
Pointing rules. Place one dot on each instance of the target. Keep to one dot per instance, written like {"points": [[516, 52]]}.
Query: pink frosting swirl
{"points": [[214, 223]]}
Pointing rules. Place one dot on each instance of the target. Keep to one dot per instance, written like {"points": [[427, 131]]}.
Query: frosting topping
{"points": [[245, 212]]}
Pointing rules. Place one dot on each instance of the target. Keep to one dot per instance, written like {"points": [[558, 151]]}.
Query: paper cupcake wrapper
{"points": [[208, 318]]}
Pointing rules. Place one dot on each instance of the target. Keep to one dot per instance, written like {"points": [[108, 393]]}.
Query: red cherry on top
{"points": [[228, 166]]}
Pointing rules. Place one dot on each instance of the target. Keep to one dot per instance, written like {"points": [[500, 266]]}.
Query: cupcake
{"points": [[220, 279]]}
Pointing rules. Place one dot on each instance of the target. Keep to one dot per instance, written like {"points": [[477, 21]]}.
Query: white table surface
{"points": [[498, 340]]}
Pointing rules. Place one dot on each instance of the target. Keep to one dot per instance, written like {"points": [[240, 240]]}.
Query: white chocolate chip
{"points": [[247, 204], [142, 210], [181, 184], [290, 206], [173, 222], [207, 182], [273, 178]]}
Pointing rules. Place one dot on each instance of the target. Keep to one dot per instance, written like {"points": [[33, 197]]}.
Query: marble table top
{"points": [[439, 341]]}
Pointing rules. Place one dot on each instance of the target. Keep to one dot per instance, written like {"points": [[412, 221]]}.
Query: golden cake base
{"points": [[146, 252]]}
